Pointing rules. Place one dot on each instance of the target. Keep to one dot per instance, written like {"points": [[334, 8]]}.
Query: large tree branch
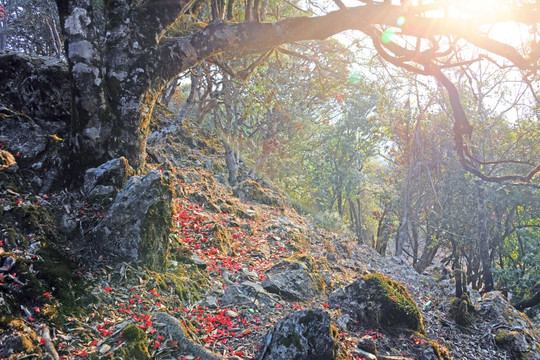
{"points": [[221, 36]]}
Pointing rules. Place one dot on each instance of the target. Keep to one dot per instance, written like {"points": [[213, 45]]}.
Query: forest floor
{"points": [[225, 241]]}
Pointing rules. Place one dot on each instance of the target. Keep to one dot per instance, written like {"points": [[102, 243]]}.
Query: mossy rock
{"points": [[136, 344], [374, 300], [156, 225], [440, 351], [23, 220], [462, 310], [397, 308]]}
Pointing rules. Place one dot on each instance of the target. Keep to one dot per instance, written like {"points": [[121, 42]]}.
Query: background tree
{"points": [[30, 26]]}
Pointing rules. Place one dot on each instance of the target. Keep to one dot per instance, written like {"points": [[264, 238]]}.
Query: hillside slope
{"points": [[244, 275]]}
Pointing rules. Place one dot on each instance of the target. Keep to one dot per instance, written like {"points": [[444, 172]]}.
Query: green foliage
{"points": [[331, 221]]}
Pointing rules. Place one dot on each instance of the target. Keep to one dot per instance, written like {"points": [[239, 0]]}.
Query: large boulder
{"points": [[37, 86], [294, 279], [304, 335], [374, 299], [514, 331], [138, 224]]}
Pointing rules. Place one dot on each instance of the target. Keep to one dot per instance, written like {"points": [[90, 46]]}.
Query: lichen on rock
{"points": [[294, 279], [304, 335]]}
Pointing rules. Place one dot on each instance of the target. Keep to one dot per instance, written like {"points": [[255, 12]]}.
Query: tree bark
{"points": [[483, 238]]}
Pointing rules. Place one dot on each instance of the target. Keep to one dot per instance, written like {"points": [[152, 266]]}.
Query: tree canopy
{"points": [[122, 53]]}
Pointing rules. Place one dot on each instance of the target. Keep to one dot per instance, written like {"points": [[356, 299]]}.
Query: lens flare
{"points": [[387, 34]]}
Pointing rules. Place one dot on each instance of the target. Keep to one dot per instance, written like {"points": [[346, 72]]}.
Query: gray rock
{"points": [[515, 332], [21, 135], [37, 86], [107, 178], [377, 301], [209, 301], [294, 280], [247, 293], [304, 335], [138, 223]]}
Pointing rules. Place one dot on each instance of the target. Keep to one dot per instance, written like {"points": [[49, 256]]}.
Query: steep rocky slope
{"points": [[102, 271]]}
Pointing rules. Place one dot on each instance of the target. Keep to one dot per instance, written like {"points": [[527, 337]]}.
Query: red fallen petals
{"points": [[83, 353], [157, 344], [325, 305], [42, 341], [107, 289], [47, 294], [160, 338]]}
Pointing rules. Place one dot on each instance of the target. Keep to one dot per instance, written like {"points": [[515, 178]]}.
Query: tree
{"points": [[30, 26], [121, 57]]}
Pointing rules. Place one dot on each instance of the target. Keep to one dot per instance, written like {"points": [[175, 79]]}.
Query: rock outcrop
{"points": [[304, 335], [247, 293], [37, 87], [108, 178], [138, 224], [294, 279], [253, 191], [374, 299], [513, 330]]}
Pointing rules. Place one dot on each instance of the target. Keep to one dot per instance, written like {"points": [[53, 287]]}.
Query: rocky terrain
{"points": [[173, 263]]}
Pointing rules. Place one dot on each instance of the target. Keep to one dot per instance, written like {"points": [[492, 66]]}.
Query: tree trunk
{"points": [[414, 233], [428, 254], [483, 238], [231, 159]]}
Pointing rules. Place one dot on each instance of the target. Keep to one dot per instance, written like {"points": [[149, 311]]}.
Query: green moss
{"points": [[187, 282], [397, 308], [34, 219], [462, 310], [136, 344]]}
